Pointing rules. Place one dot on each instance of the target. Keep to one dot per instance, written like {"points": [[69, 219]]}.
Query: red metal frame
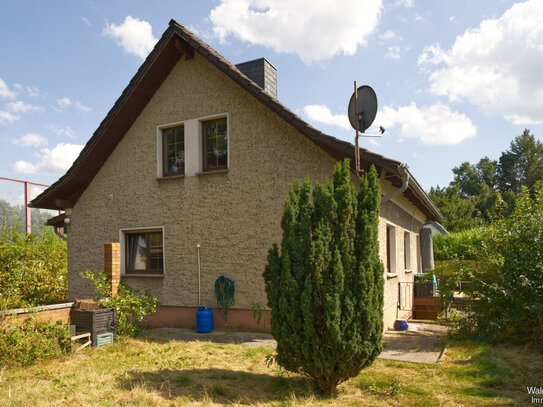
{"points": [[28, 211]]}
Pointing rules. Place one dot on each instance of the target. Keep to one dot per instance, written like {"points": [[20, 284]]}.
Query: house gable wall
{"points": [[233, 215]]}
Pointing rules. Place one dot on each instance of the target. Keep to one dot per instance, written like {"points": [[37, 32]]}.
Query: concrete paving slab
{"points": [[423, 345]]}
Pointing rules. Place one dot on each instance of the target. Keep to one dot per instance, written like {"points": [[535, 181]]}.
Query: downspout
{"points": [[60, 235], [405, 182]]}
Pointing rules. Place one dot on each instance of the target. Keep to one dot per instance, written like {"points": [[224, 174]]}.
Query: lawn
{"points": [[142, 372]]}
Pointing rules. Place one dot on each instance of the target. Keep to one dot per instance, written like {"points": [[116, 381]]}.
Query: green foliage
{"points": [[131, 307], [33, 268], [14, 215], [507, 279], [480, 192], [522, 164], [31, 341], [458, 213], [464, 245], [325, 287]]}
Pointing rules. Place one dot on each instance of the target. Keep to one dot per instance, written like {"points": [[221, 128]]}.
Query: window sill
{"points": [[170, 177], [143, 275], [408, 271], [391, 275], [213, 172]]}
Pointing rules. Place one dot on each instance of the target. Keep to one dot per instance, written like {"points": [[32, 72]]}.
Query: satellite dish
{"points": [[367, 108]]}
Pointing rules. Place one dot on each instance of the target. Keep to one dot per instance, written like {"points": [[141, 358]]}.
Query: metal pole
{"points": [[198, 250], [357, 152], [28, 211]]}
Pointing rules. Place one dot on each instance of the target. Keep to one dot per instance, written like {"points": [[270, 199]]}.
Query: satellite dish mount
{"points": [[362, 110]]}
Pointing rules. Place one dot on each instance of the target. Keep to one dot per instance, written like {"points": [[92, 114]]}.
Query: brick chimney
{"points": [[262, 72]]}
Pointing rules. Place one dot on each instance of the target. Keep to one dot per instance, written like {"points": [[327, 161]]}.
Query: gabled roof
{"points": [[175, 43]]}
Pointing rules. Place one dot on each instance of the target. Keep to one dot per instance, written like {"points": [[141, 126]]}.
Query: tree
{"points": [[507, 280], [325, 286], [458, 213], [522, 164]]}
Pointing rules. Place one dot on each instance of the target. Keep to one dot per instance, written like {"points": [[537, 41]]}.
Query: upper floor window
{"points": [[173, 147], [215, 144]]}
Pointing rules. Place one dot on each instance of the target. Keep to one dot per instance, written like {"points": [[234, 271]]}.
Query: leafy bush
{"points": [[507, 281], [131, 308], [31, 341], [33, 268], [325, 288], [464, 245]]}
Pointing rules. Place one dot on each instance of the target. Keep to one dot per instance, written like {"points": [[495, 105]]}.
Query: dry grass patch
{"points": [[152, 373]]}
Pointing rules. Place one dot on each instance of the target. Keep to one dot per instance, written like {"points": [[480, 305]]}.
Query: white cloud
{"points": [[314, 30], [403, 3], [82, 107], [33, 91], [86, 21], [135, 36], [393, 53], [22, 107], [61, 130], [50, 161], [496, 66], [434, 124], [322, 114], [5, 92], [8, 117], [430, 56], [389, 35], [64, 102], [31, 140], [419, 17]]}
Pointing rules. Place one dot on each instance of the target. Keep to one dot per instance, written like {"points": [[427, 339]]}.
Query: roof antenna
{"points": [[362, 110]]}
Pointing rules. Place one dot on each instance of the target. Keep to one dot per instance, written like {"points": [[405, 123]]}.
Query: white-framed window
{"points": [[142, 251], [407, 251], [193, 146], [391, 248]]}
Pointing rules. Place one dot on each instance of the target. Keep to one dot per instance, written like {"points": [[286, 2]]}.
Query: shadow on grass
{"points": [[220, 385]]}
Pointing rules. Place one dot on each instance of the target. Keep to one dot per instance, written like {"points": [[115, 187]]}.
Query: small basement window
{"points": [[173, 148], [144, 252], [214, 145]]}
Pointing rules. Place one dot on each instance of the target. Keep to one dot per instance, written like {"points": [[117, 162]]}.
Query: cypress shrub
{"points": [[325, 285]]}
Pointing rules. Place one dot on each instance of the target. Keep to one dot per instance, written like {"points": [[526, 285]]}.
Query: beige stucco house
{"points": [[197, 151]]}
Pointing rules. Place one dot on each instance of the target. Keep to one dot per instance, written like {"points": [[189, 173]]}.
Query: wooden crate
{"points": [[426, 307], [96, 321]]}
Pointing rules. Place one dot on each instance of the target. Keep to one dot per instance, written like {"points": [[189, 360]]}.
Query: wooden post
{"points": [[112, 264]]}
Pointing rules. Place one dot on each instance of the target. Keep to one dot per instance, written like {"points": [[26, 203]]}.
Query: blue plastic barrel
{"points": [[204, 320]]}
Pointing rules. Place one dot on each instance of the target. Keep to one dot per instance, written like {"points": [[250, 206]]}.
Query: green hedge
{"points": [[33, 340], [33, 268], [462, 245]]}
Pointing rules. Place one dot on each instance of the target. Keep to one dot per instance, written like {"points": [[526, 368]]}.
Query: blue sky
{"points": [[455, 81]]}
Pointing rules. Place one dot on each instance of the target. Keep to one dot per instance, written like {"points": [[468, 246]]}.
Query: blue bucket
{"points": [[400, 325], [204, 320]]}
